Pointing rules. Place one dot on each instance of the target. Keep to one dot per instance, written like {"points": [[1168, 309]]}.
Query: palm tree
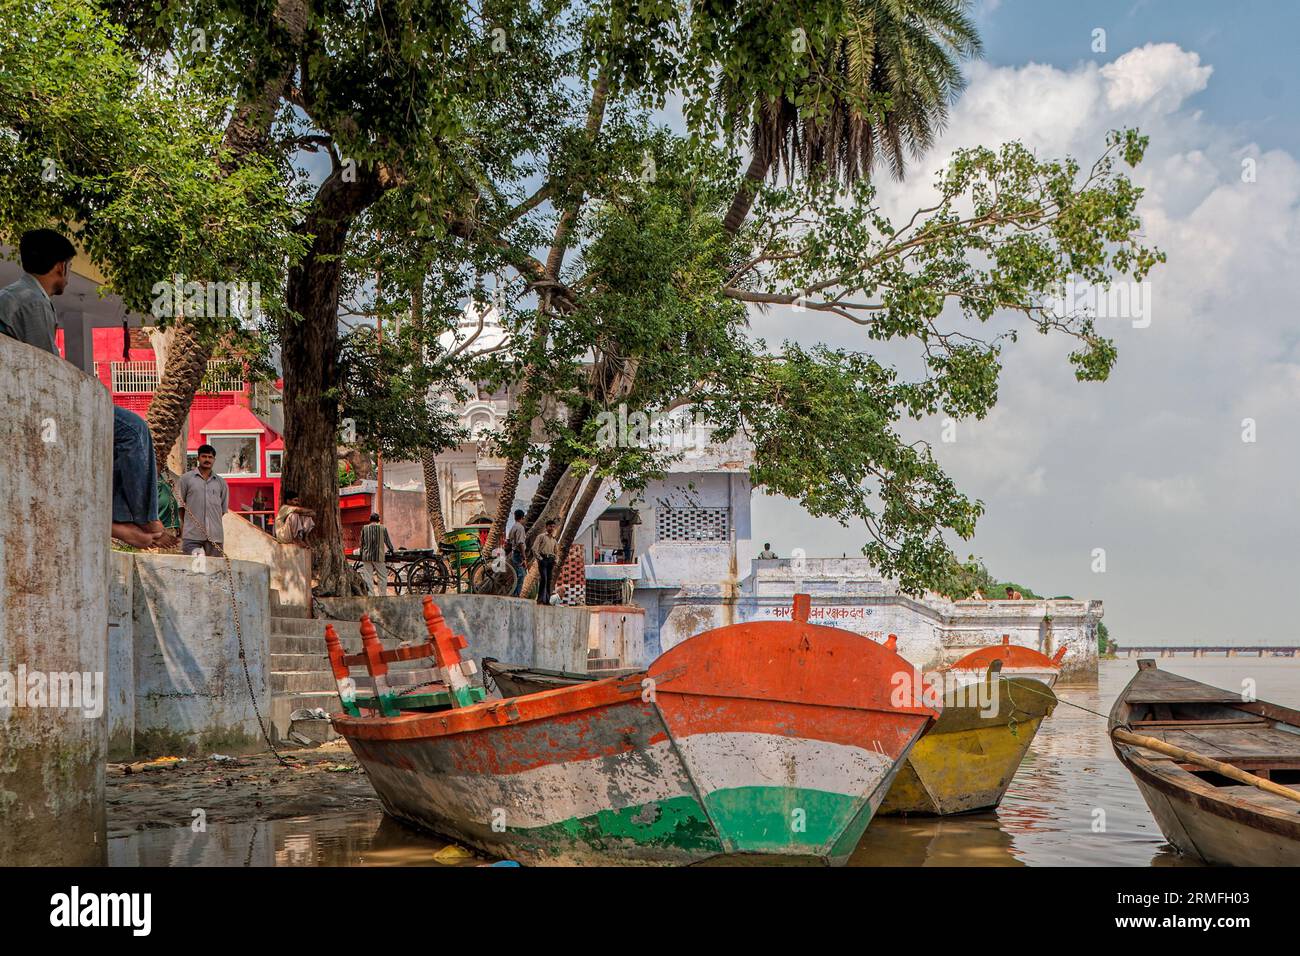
{"points": [[884, 84]]}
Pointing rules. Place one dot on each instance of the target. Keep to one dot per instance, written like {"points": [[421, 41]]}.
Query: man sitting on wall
{"points": [[27, 314]]}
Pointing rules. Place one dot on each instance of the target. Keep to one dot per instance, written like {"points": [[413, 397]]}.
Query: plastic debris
{"points": [[452, 854], [309, 713]]}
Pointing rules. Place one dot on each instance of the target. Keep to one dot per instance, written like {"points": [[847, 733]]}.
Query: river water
{"points": [[1071, 804]]}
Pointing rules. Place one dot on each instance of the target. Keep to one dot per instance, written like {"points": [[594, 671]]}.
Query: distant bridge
{"points": [[1207, 650]]}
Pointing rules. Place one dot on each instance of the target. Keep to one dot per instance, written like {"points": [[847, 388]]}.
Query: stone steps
{"points": [[302, 682], [300, 675]]}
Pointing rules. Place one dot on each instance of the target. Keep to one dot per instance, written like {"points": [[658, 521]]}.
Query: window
{"points": [[274, 463], [236, 455], [692, 524]]}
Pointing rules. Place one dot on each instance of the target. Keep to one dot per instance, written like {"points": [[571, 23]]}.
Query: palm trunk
{"points": [[433, 494], [186, 362], [744, 198]]}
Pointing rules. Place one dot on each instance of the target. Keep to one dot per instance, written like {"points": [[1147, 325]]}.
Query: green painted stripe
{"points": [[771, 820], [783, 819], [677, 824]]}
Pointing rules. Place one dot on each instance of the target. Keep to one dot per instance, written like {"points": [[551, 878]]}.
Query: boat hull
{"points": [[765, 739], [1212, 831], [1204, 815], [966, 761]]}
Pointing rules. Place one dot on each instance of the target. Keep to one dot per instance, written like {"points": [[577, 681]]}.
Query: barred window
{"points": [[692, 524]]}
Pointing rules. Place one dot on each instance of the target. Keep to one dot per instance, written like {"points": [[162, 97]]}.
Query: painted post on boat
{"points": [[374, 652], [342, 676], [447, 646]]}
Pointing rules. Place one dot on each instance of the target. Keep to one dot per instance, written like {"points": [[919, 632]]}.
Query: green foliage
{"points": [[1104, 645], [128, 160]]}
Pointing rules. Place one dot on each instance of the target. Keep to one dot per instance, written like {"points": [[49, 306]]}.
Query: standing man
{"points": [[374, 567], [27, 314], [546, 548], [767, 554], [204, 496], [517, 543]]}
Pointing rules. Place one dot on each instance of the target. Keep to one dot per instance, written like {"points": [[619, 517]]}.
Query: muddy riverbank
{"points": [[160, 795]]}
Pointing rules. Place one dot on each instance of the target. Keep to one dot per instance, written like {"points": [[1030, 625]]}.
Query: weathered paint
{"points": [[968, 758], [763, 738], [1015, 661]]}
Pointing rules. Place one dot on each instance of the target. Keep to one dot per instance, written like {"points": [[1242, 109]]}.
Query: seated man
{"points": [[294, 522], [27, 314]]}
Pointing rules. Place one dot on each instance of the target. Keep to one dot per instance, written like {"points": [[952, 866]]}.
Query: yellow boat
{"points": [[966, 760]]}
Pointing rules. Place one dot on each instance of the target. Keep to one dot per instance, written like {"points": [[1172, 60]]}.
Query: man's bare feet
{"points": [[135, 535]]}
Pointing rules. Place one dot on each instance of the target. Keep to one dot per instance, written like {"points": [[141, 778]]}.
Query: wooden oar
{"points": [[1218, 766]]}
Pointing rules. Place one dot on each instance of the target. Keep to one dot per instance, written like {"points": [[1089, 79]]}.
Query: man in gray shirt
{"points": [[374, 538], [27, 314], [205, 497]]}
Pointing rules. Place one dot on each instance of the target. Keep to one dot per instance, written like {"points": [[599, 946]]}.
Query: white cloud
{"points": [[1158, 76]]}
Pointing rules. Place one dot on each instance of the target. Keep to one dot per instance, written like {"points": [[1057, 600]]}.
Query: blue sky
{"points": [[1251, 43]]}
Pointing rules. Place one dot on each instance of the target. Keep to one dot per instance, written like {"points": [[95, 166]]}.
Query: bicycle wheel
{"points": [[395, 577], [483, 580], [426, 577]]}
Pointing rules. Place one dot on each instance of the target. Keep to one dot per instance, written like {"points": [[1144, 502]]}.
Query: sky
{"points": [[1199, 528]]}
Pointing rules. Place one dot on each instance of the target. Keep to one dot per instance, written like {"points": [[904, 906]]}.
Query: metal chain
{"points": [[234, 610]]}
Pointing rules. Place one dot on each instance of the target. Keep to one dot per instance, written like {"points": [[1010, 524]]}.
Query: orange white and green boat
{"points": [[760, 739], [1012, 661]]}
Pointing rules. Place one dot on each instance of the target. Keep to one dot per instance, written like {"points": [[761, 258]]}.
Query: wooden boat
{"points": [[1016, 661], [1202, 812], [966, 761], [516, 680], [767, 738]]}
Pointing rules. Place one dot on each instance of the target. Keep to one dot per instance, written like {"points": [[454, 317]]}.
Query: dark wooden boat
{"points": [[1202, 812], [515, 680]]}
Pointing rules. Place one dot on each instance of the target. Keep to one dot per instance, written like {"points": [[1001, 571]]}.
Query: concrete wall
{"points": [[618, 632], [121, 658], [513, 630], [289, 565], [191, 693], [56, 429], [928, 636]]}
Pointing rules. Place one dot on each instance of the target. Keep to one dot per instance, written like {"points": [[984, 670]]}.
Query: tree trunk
{"points": [[744, 198], [573, 525], [433, 494], [309, 351], [509, 485]]}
